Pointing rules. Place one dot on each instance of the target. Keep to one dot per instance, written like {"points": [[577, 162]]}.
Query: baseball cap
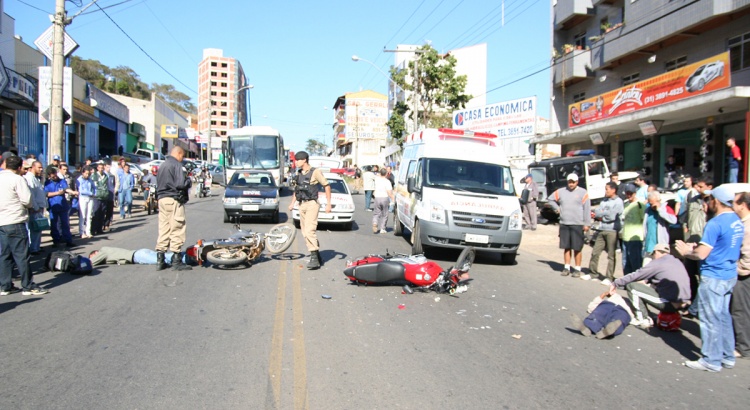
{"points": [[572, 177], [28, 163], [722, 193], [56, 157], [6, 155], [527, 176], [661, 247], [301, 155]]}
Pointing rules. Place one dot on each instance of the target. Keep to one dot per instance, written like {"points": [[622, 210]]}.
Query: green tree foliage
{"points": [[124, 80], [439, 89], [315, 147]]}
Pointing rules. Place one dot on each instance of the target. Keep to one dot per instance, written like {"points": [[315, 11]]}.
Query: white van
{"points": [[153, 155], [455, 189]]}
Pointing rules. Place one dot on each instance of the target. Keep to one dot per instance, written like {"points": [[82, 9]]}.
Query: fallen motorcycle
{"points": [[245, 246], [412, 272]]}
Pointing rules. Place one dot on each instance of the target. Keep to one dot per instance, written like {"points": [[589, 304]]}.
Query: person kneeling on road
{"points": [[120, 256], [668, 287]]}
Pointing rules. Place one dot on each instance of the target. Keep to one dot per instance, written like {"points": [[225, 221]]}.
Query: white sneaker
{"points": [[383, 231], [644, 323], [586, 277], [606, 282]]}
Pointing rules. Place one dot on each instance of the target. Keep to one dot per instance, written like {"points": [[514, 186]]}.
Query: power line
{"points": [[475, 26], [441, 20], [424, 19], [170, 33], [34, 7], [144, 51], [497, 29]]}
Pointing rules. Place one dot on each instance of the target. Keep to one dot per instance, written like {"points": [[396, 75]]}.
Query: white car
{"points": [[703, 75], [342, 204], [150, 164]]}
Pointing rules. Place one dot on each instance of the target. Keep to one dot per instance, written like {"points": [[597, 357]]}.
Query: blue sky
{"points": [[297, 53]]}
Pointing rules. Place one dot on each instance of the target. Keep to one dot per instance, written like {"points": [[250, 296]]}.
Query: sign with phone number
{"points": [[698, 78]]}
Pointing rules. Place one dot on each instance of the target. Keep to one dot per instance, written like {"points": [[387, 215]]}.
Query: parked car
{"points": [[150, 164], [251, 194], [217, 174], [703, 75], [342, 204]]}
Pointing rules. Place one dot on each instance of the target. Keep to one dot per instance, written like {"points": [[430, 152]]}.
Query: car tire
{"points": [[348, 226], [275, 217], [416, 242], [226, 217], [398, 227]]}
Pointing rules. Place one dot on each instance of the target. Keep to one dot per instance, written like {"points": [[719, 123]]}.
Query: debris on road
{"points": [[516, 336], [326, 296]]}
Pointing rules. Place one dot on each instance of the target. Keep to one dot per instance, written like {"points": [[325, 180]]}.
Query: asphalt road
{"points": [[129, 337]]}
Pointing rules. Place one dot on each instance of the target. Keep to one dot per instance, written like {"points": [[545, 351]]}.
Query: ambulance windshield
{"points": [[468, 176]]}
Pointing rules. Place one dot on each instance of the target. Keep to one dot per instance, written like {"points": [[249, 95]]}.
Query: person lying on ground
{"points": [[120, 256]]}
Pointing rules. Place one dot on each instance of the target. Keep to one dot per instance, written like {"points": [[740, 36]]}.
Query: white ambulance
{"points": [[455, 189]]}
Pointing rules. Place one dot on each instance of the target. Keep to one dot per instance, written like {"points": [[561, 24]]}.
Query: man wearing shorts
{"points": [[574, 207]]}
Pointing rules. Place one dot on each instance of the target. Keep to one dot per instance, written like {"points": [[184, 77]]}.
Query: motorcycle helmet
{"points": [[154, 169], [669, 322]]}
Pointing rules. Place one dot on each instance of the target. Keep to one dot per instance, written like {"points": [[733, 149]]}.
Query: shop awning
{"points": [[703, 106]]}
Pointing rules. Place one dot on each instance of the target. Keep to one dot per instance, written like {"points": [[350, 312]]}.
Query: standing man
{"points": [[370, 186], [38, 201], [680, 205], [719, 250], [659, 216], [697, 209], [734, 159], [632, 231], [389, 175], [59, 209], [642, 192], [15, 198], [529, 208], [100, 199], [173, 191], [740, 306], [383, 194], [126, 183], [110, 204], [307, 184], [86, 192], [574, 207], [608, 214]]}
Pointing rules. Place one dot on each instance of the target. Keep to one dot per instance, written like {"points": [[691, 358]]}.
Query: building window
{"points": [[223, 94], [580, 40], [223, 65], [224, 75], [739, 52], [213, 102], [213, 122], [678, 62], [213, 64], [213, 83], [224, 113], [224, 123], [223, 133], [213, 93], [579, 97], [213, 73], [223, 84], [630, 79]]}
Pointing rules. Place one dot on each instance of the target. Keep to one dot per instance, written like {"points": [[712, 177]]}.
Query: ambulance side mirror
{"points": [[411, 186]]}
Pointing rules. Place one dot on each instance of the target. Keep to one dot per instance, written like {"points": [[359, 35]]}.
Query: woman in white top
{"points": [[382, 195]]}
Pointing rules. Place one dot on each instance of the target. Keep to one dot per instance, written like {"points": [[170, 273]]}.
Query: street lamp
{"points": [[247, 87]]}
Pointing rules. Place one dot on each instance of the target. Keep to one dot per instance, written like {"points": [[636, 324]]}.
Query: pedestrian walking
{"points": [[173, 191], [574, 207], [33, 178], [719, 251], [307, 183], [529, 208], [15, 199], [608, 214], [383, 195]]}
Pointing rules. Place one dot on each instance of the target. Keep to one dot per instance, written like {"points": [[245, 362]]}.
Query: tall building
{"points": [[222, 86], [640, 81], [359, 127]]}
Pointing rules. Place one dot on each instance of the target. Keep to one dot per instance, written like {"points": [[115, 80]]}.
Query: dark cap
{"points": [[6, 155], [301, 155]]}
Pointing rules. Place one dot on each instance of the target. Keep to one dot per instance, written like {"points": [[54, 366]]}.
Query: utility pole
{"points": [[57, 123]]}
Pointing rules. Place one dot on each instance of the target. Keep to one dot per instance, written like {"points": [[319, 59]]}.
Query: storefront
{"points": [[19, 124], [683, 113], [113, 122]]}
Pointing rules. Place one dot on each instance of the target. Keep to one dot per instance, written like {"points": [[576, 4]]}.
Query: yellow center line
{"points": [[277, 341], [298, 345]]}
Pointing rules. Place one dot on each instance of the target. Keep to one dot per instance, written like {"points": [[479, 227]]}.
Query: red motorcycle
{"points": [[412, 272]]}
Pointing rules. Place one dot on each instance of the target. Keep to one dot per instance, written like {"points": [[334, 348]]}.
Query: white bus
{"points": [[254, 147]]}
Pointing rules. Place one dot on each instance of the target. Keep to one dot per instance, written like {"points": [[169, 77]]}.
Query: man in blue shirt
{"points": [[125, 190], [718, 251], [59, 209]]}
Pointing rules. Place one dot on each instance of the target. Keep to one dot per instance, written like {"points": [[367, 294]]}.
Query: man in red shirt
{"points": [[734, 159]]}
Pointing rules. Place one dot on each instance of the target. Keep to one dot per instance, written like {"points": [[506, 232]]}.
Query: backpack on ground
{"points": [[63, 261]]}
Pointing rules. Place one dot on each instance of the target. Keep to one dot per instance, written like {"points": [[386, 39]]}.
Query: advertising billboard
{"points": [[698, 78], [516, 118]]}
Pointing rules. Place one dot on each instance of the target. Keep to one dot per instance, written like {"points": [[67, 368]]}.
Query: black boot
{"points": [[177, 263], [314, 260], [161, 264]]}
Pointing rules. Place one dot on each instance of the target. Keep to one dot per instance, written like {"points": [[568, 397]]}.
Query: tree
{"points": [[175, 98], [439, 89], [315, 147]]}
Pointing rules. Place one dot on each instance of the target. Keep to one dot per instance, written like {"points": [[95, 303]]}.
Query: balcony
{"points": [[573, 67], [570, 13]]}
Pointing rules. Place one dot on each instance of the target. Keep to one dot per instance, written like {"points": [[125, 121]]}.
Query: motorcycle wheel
{"points": [[149, 207], [280, 237], [466, 259], [226, 257]]}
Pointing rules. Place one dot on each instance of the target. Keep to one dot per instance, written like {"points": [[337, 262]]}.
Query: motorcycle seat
{"points": [[385, 272]]}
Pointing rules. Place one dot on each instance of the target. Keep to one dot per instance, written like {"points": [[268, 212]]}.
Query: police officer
{"points": [[172, 187], [307, 184]]}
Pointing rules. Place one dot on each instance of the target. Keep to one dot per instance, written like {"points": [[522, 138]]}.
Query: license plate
{"points": [[250, 207], [477, 238], [325, 216]]}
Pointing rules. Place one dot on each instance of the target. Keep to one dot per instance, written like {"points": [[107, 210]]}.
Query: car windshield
{"points": [[469, 176], [699, 70], [337, 186], [252, 179]]}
